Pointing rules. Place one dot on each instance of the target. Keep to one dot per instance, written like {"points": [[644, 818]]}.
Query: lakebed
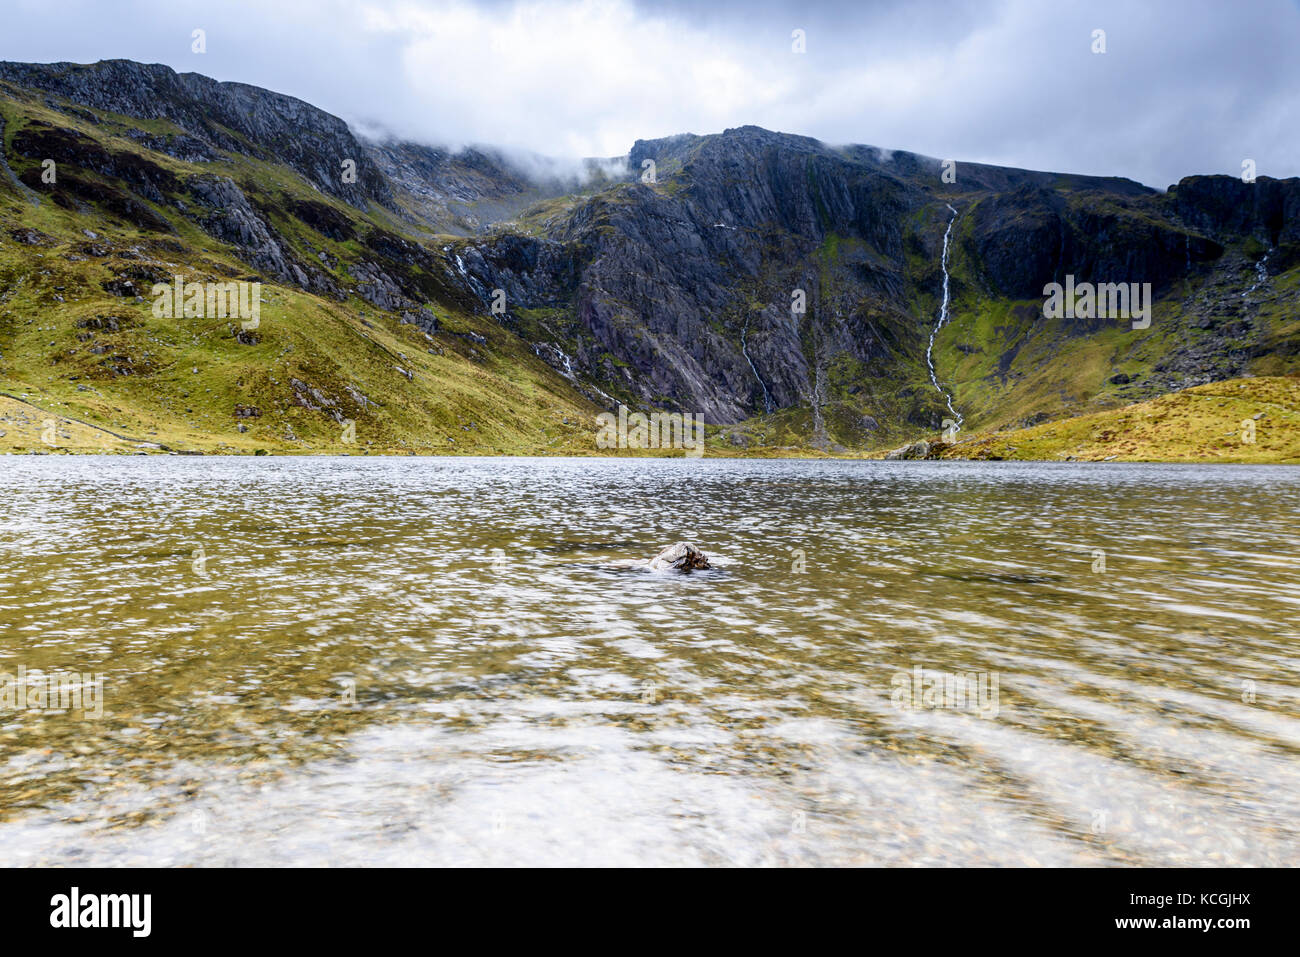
{"points": [[410, 660]]}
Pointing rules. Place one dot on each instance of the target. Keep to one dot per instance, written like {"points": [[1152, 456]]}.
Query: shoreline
{"points": [[1254, 420]]}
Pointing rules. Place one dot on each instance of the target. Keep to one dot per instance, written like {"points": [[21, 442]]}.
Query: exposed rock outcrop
{"points": [[273, 126], [682, 556]]}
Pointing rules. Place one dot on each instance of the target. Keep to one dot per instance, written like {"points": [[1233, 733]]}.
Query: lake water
{"points": [[339, 661]]}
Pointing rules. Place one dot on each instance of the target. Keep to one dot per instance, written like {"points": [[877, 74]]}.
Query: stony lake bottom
{"points": [[357, 661]]}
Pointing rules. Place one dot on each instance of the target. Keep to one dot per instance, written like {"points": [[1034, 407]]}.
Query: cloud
{"points": [[577, 78], [1185, 86]]}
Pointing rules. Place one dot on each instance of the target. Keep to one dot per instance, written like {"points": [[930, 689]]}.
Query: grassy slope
{"points": [[176, 382], [1204, 423]]}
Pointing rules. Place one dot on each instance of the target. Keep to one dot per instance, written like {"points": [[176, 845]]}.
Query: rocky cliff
{"points": [[748, 275]]}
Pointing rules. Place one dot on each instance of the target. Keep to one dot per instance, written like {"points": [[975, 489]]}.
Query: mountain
{"points": [[382, 262]]}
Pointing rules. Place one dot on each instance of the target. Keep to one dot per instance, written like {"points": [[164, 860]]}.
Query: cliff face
{"points": [[755, 273], [690, 281]]}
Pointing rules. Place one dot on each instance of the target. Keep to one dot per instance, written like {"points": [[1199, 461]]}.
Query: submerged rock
{"points": [[682, 556]]}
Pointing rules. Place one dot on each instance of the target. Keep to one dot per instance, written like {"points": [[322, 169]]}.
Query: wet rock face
{"points": [[1033, 236], [535, 272], [689, 287], [225, 212], [1023, 239], [1225, 206]]}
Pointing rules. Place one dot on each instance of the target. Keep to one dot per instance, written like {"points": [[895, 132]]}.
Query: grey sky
{"points": [[1186, 86]]}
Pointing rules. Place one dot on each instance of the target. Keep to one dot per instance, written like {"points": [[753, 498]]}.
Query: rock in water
{"points": [[680, 555], [918, 450]]}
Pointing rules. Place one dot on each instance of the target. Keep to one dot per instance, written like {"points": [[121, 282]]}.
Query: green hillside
{"points": [[376, 335], [75, 349]]}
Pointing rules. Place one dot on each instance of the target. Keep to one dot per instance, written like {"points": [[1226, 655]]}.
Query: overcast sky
{"points": [[1185, 86]]}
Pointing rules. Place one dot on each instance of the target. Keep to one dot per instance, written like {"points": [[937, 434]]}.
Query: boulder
{"points": [[917, 450], [682, 556]]}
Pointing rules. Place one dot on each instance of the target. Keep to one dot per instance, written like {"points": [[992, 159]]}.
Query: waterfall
{"points": [[943, 320], [1261, 274], [744, 349]]}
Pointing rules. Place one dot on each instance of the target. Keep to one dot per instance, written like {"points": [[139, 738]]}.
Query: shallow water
{"points": [[441, 661]]}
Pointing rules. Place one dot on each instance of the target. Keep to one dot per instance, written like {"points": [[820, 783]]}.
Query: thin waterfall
{"points": [[744, 349], [943, 320], [1261, 274]]}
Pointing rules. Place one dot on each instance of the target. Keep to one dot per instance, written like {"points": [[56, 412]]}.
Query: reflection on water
{"points": [[373, 661]]}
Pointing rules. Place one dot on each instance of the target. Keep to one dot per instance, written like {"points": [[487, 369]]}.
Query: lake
{"points": [[355, 661]]}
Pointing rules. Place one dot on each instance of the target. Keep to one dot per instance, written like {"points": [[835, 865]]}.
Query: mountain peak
{"points": [[235, 117]]}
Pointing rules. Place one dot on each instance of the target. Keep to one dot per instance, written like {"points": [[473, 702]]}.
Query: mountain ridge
{"points": [[677, 293]]}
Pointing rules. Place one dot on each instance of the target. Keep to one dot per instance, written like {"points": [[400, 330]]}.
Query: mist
{"points": [[1012, 82]]}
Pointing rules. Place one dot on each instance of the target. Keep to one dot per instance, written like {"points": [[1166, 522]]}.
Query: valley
{"points": [[802, 298]]}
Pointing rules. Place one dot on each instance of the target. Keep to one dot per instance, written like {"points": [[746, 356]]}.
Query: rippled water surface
{"points": [[447, 661]]}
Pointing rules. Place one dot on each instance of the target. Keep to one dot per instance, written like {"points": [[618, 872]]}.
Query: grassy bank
{"points": [[1206, 423], [1203, 424]]}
